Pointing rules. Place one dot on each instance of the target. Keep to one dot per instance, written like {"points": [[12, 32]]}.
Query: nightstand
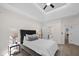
{"points": [[14, 47]]}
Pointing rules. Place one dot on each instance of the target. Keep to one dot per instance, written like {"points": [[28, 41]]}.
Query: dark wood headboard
{"points": [[24, 32]]}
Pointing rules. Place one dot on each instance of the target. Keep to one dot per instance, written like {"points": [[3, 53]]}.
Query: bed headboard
{"points": [[24, 32]]}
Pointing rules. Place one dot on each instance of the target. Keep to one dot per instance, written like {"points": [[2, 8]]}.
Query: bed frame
{"points": [[26, 49]]}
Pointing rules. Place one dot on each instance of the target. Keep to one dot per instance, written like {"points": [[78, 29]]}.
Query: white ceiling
{"points": [[48, 8], [35, 11]]}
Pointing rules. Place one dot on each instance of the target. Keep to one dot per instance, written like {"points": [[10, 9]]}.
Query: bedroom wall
{"points": [[54, 31], [57, 28], [72, 23], [44, 31], [10, 21]]}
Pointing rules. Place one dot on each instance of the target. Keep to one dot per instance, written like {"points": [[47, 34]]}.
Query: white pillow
{"points": [[26, 37], [31, 37]]}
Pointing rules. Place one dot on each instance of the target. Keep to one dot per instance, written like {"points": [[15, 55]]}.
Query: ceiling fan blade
{"points": [[52, 5], [45, 7]]}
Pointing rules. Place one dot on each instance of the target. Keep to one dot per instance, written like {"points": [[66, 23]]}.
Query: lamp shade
{"points": [[13, 36]]}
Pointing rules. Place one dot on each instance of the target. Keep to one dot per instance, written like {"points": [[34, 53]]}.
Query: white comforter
{"points": [[42, 46]]}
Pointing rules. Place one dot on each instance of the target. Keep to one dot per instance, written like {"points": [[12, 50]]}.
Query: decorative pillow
{"points": [[31, 37], [26, 37]]}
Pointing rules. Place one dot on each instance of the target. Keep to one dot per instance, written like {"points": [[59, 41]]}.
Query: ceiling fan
{"points": [[48, 4]]}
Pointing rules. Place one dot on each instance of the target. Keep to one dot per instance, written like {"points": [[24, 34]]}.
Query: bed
{"points": [[39, 47]]}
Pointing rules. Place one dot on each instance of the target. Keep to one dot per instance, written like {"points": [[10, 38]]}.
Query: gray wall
{"points": [[57, 28], [9, 21], [72, 23]]}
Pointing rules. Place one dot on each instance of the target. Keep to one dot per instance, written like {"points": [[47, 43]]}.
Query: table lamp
{"points": [[13, 37]]}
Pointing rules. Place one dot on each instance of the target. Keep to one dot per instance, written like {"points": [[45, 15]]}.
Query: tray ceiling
{"points": [[48, 8], [35, 10]]}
